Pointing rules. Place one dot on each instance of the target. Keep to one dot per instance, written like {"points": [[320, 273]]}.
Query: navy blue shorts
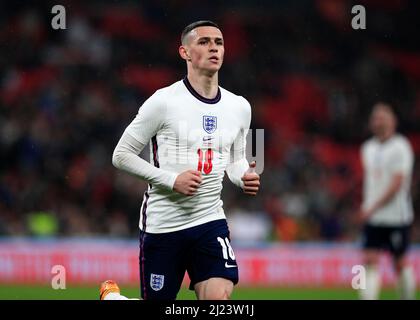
{"points": [[396, 240], [203, 251]]}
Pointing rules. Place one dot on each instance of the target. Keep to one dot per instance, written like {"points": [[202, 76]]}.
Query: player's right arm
{"points": [[125, 157], [188, 182], [148, 121]]}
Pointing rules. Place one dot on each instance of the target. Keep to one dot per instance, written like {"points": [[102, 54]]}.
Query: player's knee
{"points": [[399, 264], [215, 290], [222, 293], [226, 291], [371, 258], [370, 262]]}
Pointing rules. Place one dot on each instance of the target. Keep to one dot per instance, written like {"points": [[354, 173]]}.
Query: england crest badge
{"points": [[157, 281], [209, 124]]}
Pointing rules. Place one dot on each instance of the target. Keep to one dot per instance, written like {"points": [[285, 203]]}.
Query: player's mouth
{"points": [[214, 59]]}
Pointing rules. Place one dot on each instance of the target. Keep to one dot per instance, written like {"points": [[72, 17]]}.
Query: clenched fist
{"points": [[251, 180], [188, 182]]}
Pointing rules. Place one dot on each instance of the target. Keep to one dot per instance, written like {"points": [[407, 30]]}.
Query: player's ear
{"points": [[396, 121], [184, 53]]}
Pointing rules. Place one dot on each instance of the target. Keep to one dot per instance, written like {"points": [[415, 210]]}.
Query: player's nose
{"points": [[213, 47]]}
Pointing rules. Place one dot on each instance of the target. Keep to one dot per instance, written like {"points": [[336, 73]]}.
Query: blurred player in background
{"points": [[197, 131], [387, 211]]}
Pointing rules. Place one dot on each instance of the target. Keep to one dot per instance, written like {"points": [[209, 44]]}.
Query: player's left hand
{"points": [[362, 216], [251, 180]]}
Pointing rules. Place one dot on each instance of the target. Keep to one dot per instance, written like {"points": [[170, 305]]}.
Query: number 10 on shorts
{"points": [[226, 248]]}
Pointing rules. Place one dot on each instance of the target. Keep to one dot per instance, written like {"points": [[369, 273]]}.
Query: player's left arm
{"points": [[251, 180], [239, 171]]}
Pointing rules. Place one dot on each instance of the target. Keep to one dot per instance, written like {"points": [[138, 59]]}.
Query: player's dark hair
{"points": [[196, 24], [382, 104]]}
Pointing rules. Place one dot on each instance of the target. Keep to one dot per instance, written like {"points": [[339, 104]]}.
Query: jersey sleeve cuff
{"points": [[170, 180]]}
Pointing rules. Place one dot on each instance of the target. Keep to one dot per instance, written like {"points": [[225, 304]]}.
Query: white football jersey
{"points": [[187, 131], [381, 161]]}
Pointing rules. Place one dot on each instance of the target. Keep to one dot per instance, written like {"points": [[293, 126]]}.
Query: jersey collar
{"points": [[216, 99]]}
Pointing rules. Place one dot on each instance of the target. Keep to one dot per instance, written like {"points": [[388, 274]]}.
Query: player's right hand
{"points": [[188, 182], [362, 216]]}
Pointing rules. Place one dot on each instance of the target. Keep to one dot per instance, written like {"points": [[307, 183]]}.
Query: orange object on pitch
{"points": [[108, 286]]}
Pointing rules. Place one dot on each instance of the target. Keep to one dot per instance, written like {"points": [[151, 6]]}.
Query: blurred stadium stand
{"points": [[67, 95]]}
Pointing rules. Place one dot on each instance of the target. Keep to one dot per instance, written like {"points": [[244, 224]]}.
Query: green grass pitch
{"points": [[25, 292]]}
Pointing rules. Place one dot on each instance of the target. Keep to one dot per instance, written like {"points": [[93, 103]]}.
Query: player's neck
{"points": [[385, 137], [205, 85]]}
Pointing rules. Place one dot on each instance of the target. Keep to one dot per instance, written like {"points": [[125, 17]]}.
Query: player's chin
{"points": [[213, 67]]}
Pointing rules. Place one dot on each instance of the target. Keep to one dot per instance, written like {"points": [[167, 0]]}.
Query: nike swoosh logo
{"points": [[207, 138], [230, 265]]}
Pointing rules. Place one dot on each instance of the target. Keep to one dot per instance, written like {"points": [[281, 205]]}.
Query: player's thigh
{"points": [[214, 289], [212, 255], [371, 256], [162, 265], [399, 242], [400, 262], [375, 239]]}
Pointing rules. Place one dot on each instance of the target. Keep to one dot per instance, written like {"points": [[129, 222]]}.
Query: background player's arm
{"points": [[399, 167], [391, 191]]}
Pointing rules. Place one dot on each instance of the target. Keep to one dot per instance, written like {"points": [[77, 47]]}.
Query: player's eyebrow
{"points": [[209, 38]]}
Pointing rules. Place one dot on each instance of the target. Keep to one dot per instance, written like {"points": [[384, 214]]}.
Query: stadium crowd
{"points": [[66, 96]]}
